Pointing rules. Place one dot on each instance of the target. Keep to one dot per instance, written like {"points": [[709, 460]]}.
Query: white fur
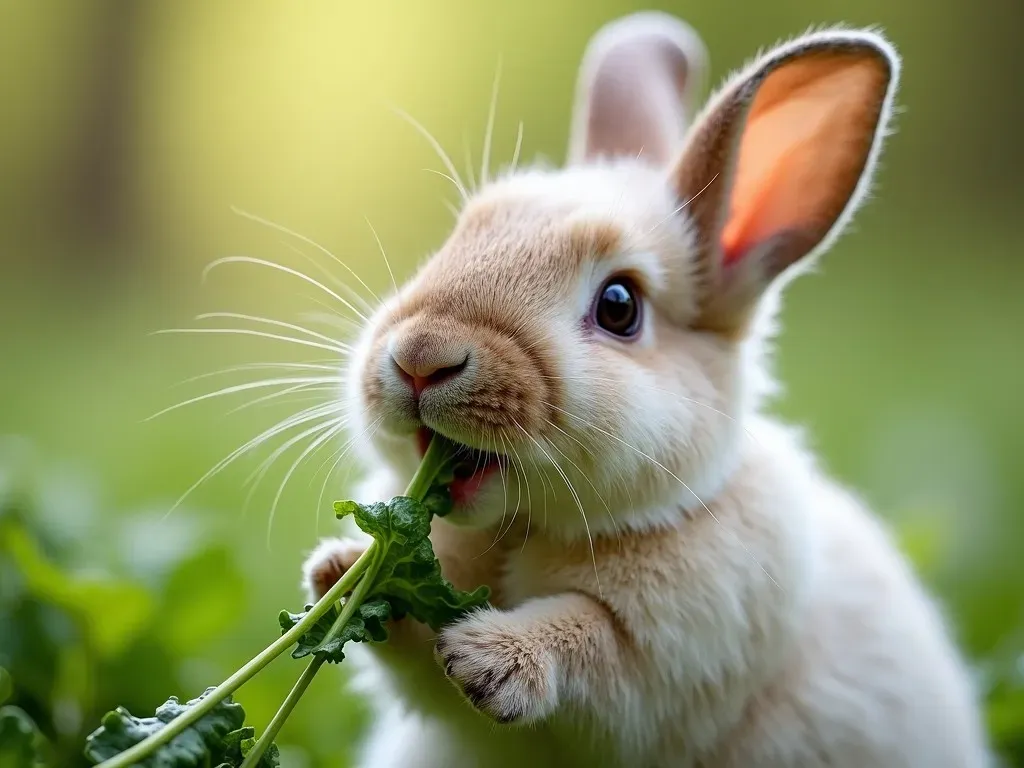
{"points": [[721, 604]]}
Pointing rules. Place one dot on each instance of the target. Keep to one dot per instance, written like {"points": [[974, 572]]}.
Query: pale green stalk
{"points": [[437, 455]]}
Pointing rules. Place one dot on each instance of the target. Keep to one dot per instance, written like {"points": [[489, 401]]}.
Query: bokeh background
{"points": [[128, 130]]}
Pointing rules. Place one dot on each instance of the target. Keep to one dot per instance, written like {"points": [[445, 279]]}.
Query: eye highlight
{"points": [[617, 309]]}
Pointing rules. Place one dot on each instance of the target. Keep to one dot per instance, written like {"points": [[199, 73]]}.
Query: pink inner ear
{"points": [[804, 147]]}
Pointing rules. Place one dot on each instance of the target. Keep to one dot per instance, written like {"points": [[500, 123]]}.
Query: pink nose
{"points": [[423, 364]]}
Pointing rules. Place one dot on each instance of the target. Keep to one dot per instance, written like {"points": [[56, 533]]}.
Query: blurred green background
{"points": [[130, 129]]}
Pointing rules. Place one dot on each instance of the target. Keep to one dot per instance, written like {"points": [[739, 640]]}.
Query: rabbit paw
{"points": [[328, 563], [504, 670]]}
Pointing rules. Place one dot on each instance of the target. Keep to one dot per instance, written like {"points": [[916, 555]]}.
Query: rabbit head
{"points": [[592, 334]]}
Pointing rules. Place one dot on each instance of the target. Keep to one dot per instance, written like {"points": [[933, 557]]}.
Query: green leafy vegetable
{"points": [[407, 581], [365, 625], [409, 576], [238, 744], [397, 576], [217, 738]]}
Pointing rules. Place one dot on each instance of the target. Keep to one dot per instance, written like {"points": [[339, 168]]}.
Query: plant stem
{"points": [[351, 606], [438, 454], [149, 745]]}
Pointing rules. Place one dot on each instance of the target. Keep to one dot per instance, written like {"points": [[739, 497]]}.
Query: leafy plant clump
{"points": [[397, 576]]}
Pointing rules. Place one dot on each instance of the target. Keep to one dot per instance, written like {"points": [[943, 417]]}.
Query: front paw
{"points": [[502, 668], [328, 563]]}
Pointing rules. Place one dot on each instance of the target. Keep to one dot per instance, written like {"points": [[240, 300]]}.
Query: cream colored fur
{"points": [[687, 587]]}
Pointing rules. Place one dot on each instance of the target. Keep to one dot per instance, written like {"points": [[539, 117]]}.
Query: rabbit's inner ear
{"points": [[636, 88], [806, 144], [779, 162]]}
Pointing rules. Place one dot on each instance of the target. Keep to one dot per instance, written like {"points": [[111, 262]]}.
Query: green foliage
{"points": [[409, 576], [397, 575], [218, 738], [366, 625], [408, 579], [21, 743]]}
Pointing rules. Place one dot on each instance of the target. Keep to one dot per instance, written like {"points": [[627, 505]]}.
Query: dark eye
{"points": [[618, 308]]}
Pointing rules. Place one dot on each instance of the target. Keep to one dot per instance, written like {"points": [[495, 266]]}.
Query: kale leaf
{"points": [[218, 738], [408, 579], [409, 576], [365, 625]]}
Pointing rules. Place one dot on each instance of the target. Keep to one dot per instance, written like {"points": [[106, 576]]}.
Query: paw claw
{"points": [[499, 670]]}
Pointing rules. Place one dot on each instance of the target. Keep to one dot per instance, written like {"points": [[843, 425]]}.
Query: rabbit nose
{"points": [[424, 360]]}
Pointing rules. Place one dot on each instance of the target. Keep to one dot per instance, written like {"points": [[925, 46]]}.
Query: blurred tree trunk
{"points": [[97, 202]]}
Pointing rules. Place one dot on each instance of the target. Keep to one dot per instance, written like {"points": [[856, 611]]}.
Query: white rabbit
{"points": [[675, 582]]}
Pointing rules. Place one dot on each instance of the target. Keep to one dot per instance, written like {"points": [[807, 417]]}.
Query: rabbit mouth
{"points": [[471, 470]]}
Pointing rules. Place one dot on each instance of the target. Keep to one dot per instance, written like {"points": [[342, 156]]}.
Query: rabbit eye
{"points": [[618, 308]]}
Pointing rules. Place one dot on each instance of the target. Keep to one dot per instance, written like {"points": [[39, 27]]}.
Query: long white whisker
{"points": [[302, 417], [519, 146], [295, 465], [436, 145], [657, 463], [583, 474], [251, 332], [485, 163], [529, 498], [242, 388], [444, 175], [257, 367], [348, 289], [288, 270], [278, 323], [669, 392], [470, 175], [686, 203], [283, 393], [257, 475], [308, 241], [579, 503], [340, 454], [384, 255], [330, 317]]}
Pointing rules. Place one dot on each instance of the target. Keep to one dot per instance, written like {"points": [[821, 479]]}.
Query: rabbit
{"points": [[675, 580]]}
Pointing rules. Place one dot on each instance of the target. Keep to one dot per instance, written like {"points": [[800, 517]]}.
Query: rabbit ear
{"points": [[636, 89], [779, 160]]}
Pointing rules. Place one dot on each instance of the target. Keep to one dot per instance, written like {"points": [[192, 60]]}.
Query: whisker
{"points": [[436, 145], [311, 448], [579, 503], [583, 474], [444, 175], [519, 145], [283, 393], [330, 317], [288, 270], [677, 210], [470, 175], [276, 323], [256, 367], [384, 255], [348, 289], [308, 241], [676, 395], [529, 498], [242, 388], [671, 474], [302, 417], [340, 454], [257, 475], [488, 135], [260, 334]]}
